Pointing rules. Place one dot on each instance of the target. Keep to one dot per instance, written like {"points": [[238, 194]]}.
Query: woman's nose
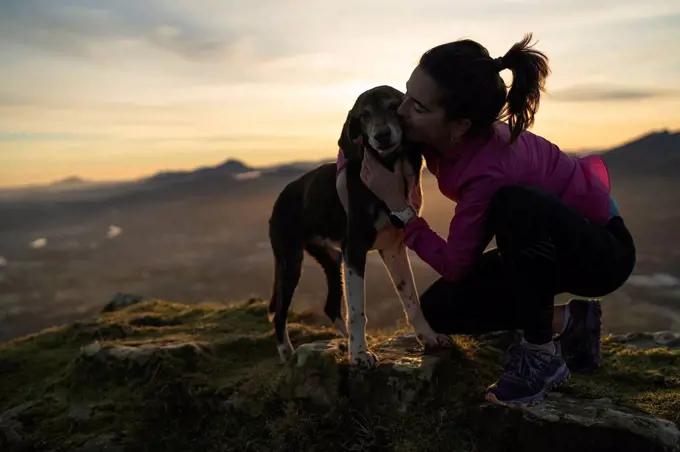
{"points": [[401, 110]]}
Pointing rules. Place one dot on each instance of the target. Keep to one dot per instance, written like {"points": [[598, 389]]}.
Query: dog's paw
{"points": [[364, 360], [434, 342], [285, 351]]}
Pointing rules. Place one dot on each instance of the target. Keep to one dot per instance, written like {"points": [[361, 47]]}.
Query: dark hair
{"points": [[472, 87]]}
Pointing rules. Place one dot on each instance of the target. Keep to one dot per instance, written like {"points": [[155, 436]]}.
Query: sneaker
{"points": [[529, 374], [579, 343]]}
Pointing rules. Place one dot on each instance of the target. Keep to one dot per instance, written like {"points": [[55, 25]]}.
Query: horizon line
{"points": [[653, 131]]}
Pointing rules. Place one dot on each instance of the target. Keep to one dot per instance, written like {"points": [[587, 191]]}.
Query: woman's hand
{"points": [[386, 185]]}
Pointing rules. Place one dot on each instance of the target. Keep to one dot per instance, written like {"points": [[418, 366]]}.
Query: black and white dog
{"points": [[332, 215]]}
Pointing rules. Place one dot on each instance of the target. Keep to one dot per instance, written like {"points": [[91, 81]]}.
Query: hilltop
{"points": [[156, 375], [656, 154]]}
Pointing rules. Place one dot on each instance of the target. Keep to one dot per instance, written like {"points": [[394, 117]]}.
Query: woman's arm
{"points": [[467, 231], [467, 238]]}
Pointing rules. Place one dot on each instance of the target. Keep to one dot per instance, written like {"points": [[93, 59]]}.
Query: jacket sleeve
{"points": [[467, 237]]}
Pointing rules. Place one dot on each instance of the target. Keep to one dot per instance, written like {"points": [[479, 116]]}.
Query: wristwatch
{"points": [[400, 218]]}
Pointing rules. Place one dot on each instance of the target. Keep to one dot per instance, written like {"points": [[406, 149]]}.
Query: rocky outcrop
{"points": [[11, 428], [143, 360], [172, 377], [562, 423], [122, 300], [319, 374]]}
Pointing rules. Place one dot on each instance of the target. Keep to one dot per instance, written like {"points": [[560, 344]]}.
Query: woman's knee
{"points": [[435, 304]]}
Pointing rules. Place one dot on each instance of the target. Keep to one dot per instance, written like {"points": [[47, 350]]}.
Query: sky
{"points": [[119, 89]]}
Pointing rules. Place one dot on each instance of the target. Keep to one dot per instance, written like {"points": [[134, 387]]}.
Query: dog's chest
{"points": [[387, 236]]}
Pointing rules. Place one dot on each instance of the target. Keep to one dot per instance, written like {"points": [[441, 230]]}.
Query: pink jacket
{"points": [[477, 169]]}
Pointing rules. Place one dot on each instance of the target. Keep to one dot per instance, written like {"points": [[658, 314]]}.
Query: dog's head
{"points": [[373, 121]]}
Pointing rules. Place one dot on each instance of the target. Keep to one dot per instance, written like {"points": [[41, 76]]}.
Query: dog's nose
{"points": [[383, 136]]}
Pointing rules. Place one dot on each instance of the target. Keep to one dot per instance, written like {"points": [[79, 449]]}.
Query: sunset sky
{"points": [[118, 89]]}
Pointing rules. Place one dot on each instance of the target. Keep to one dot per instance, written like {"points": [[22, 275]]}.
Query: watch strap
{"points": [[401, 217]]}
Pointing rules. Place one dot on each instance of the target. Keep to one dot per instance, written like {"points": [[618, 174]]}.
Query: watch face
{"points": [[396, 221]]}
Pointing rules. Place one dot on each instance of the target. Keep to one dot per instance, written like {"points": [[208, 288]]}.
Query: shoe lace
{"points": [[523, 363]]}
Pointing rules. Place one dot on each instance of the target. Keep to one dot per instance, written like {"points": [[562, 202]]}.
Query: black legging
{"points": [[543, 248]]}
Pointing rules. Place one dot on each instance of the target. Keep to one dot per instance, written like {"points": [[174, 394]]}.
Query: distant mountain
{"points": [[229, 169], [72, 182], [161, 184], [294, 167], [656, 153]]}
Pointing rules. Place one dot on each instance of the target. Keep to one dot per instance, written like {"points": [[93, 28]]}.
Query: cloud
{"points": [[92, 29], [13, 137], [608, 93], [228, 31], [97, 83]]}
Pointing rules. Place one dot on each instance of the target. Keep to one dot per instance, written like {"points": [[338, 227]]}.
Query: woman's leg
{"points": [[544, 248], [479, 303]]}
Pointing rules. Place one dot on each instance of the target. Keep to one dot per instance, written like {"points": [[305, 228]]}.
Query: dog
{"points": [[330, 213]]}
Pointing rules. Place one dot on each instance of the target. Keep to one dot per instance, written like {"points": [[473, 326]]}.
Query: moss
{"points": [[648, 379], [183, 399]]}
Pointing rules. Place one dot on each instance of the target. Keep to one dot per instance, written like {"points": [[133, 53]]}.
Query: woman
{"points": [[556, 227]]}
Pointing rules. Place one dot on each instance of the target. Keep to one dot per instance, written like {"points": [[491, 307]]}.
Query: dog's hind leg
{"points": [[330, 260], [287, 271], [399, 268]]}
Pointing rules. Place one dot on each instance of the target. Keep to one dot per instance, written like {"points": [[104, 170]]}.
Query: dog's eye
{"points": [[365, 114]]}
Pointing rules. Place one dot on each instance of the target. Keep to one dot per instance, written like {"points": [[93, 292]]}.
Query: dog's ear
{"points": [[351, 130]]}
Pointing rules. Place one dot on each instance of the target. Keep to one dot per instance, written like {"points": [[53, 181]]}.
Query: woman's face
{"points": [[424, 118]]}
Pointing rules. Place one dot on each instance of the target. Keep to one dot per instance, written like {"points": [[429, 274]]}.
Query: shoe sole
{"points": [[561, 376]]}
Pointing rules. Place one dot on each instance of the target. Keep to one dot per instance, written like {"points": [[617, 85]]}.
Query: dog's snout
{"points": [[383, 135]]}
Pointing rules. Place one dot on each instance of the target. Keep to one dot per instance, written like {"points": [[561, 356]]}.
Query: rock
{"points": [[101, 443], [144, 353], [12, 413], [243, 404], [80, 414], [319, 373], [102, 331], [96, 413], [647, 340], [11, 429], [121, 300], [553, 425], [146, 360]]}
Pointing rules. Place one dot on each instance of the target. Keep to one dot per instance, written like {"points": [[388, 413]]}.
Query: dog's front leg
{"points": [[354, 256], [399, 268]]}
